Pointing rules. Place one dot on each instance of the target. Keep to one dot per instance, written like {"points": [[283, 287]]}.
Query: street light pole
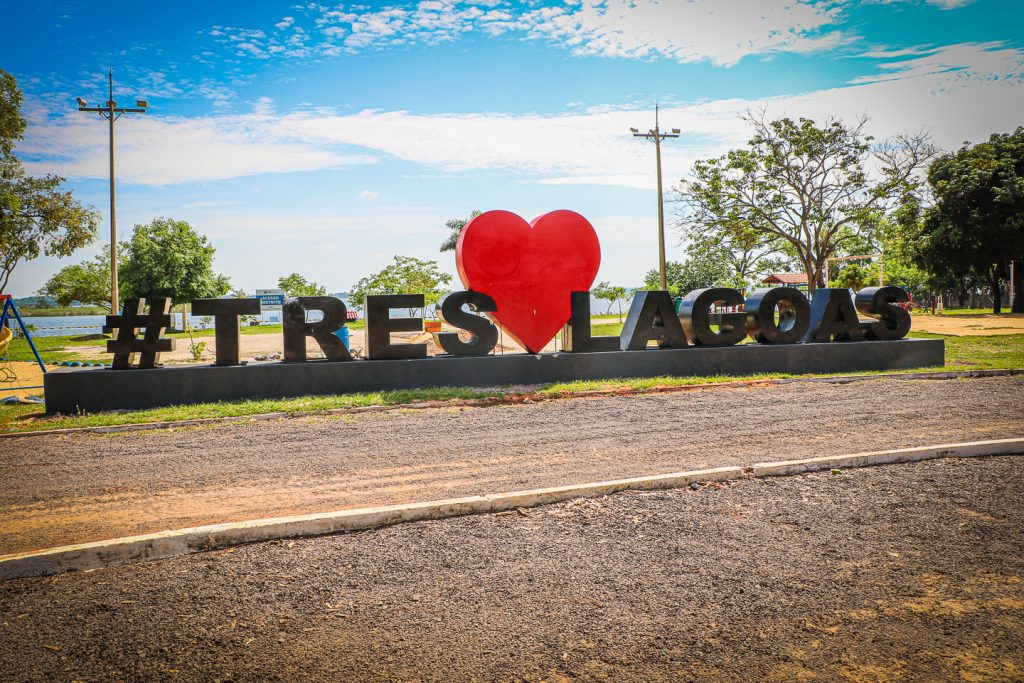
{"points": [[657, 136], [111, 112]]}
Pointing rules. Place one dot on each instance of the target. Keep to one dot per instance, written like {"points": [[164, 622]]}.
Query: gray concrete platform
{"points": [[69, 391]]}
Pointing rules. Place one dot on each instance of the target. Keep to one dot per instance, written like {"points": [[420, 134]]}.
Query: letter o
{"points": [[794, 315]]}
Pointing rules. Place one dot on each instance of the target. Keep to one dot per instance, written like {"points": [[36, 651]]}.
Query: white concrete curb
{"points": [[196, 539]]}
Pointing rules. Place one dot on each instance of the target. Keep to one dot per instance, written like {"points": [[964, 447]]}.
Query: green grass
{"points": [[972, 311], [962, 353], [30, 417], [54, 349], [981, 352]]}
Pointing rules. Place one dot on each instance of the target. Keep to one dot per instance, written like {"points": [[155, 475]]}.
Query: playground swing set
{"points": [[7, 373]]}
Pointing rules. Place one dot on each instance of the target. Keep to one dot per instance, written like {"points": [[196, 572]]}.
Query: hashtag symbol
{"points": [[132, 319]]}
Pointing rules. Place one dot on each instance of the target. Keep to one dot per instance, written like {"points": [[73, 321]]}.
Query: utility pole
{"points": [[657, 136], [111, 112]]}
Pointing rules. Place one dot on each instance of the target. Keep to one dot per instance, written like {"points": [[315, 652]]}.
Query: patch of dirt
{"points": [[76, 488], [876, 574], [970, 325]]}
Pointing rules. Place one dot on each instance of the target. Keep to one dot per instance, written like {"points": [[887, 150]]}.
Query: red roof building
{"points": [[788, 279]]}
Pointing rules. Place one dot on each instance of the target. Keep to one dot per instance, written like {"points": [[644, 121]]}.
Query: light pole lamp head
{"points": [[631, 130], [676, 131], [141, 104], [81, 102]]}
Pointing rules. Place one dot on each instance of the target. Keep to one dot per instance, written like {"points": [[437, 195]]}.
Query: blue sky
{"points": [[325, 139]]}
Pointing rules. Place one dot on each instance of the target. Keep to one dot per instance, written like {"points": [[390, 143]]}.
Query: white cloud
{"points": [[723, 33], [941, 4], [958, 92], [974, 61], [156, 150], [695, 30], [368, 194]]}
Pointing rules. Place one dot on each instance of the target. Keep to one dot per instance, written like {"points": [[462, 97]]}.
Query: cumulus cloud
{"points": [[697, 30], [156, 150], [723, 33], [958, 92]]}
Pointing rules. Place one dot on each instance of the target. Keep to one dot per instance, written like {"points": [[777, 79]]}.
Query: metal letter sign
{"points": [[532, 280], [296, 329], [133, 318], [225, 314], [529, 269]]}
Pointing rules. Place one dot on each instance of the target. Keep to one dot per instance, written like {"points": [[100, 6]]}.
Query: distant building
{"points": [[798, 280]]}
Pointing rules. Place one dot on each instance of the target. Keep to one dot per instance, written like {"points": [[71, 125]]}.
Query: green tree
{"points": [[604, 291], [683, 277], [87, 282], [36, 216], [455, 226], [404, 275], [295, 285], [801, 189], [856, 276], [976, 226], [167, 257]]}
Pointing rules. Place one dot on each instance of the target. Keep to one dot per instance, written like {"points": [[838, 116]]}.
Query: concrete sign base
{"points": [[70, 391]]}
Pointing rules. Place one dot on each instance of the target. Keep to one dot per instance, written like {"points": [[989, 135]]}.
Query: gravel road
{"points": [[60, 490], [910, 572]]}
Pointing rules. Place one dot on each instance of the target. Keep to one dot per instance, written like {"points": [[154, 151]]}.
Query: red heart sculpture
{"points": [[529, 269]]}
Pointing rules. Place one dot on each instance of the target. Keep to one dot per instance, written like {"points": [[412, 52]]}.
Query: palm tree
{"points": [[456, 225]]}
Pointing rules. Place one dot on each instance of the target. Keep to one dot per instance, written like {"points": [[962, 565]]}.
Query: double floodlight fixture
{"points": [[656, 136], [111, 113]]}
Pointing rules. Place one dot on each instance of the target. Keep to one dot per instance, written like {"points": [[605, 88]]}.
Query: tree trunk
{"points": [[997, 304], [1017, 286], [184, 317], [961, 297]]}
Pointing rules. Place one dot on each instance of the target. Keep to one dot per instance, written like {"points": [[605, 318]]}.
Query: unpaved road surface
{"points": [[905, 572], [60, 490]]}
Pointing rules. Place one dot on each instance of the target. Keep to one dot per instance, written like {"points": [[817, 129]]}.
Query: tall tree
{"points": [[296, 285], [87, 282], [800, 188], [977, 222], [404, 275], [455, 226], [37, 216], [166, 257]]}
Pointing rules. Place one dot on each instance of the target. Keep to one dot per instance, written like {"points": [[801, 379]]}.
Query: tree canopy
{"points": [[404, 275], [976, 225], [683, 277], [604, 291], [166, 257], [798, 191], [87, 282], [296, 285], [36, 216]]}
